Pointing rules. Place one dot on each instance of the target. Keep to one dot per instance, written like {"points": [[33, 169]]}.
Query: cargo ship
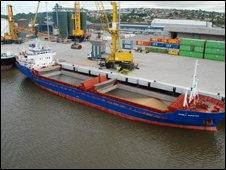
{"points": [[189, 110], [7, 60]]}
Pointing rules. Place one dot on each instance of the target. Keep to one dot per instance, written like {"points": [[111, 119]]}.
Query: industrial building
{"points": [[175, 22], [208, 33], [190, 29], [141, 27], [62, 18]]}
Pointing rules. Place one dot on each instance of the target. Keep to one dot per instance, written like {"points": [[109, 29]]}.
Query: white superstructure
{"points": [[37, 56]]}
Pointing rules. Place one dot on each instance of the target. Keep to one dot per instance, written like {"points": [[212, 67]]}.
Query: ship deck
{"points": [[138, 98], [137, 95]]}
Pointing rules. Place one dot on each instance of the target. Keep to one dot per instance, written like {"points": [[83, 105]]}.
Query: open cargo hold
{"points": [[113, 88]]}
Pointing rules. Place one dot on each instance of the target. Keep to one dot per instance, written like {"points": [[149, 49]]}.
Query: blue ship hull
{"points": [[179, 118]]}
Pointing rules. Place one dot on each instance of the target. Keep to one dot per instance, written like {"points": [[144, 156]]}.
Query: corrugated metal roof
{"points": [[179, 22], [184, 29]]}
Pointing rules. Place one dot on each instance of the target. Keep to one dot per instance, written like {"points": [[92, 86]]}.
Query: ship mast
{"points": [[194, 88]]}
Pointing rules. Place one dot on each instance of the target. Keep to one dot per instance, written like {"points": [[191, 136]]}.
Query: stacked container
{"points": [[192, 47], [155, 49], [143, 43], [215, 50], [165, 43], [166, 40]]}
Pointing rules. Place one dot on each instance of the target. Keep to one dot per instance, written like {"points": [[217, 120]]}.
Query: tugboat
{"points": [[189, 110], [7, 60]]}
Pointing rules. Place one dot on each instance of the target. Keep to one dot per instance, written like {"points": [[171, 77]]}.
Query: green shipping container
{"points": [[196, 54], [215, 44], [156, 49], [192, 42], [185, 48], [184, 53], [214, 57], [191, 54], [199, 49], [215, 51]]}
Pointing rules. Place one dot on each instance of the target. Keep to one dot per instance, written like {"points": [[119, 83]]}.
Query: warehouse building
{"points": [[197, 33], [190, 29], [140, 27], [180, 22]]}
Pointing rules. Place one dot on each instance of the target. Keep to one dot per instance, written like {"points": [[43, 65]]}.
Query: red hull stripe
{"points": [[129, 117]]}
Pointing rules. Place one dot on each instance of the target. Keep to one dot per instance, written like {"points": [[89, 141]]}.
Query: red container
{"points": [[146, 43], [142, 42]]}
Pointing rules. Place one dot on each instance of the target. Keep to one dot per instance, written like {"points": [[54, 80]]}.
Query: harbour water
{"points": [[41, 130]]}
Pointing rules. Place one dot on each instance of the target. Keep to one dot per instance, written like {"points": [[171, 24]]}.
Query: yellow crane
{"points": [[33, 30], [117, 57], [78, 33], [12, 36]]}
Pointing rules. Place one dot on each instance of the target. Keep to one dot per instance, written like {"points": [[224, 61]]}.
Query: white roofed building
{"points": [[180, 22], [190, 29]]}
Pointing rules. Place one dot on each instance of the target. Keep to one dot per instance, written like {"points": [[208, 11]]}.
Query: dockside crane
{"points": [[33, 29], [11, 36], [78, 33], [117, 57]]}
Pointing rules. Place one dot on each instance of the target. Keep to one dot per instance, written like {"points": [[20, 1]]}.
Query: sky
{"points": [[20, 7]]}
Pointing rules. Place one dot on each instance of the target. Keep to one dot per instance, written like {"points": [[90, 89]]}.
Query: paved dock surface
{"points": [[154, 66]]}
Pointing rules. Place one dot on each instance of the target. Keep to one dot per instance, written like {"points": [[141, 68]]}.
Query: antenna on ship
{"points": [[194, 88]]}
